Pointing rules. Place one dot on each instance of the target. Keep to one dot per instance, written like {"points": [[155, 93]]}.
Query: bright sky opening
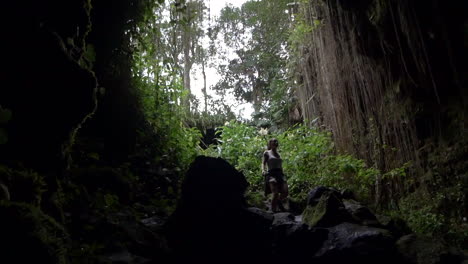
{"points": [[243, 110]]}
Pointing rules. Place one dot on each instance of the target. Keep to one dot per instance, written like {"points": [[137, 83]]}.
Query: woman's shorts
{"points": [[274, 176]]}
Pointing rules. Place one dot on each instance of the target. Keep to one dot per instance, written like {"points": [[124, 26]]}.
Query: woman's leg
{"points": [[284, 191], [283, 196], [275, 196]]}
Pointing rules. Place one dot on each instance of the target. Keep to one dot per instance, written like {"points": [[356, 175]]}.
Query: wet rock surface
{"points": [[330, 230], [348, 241]]}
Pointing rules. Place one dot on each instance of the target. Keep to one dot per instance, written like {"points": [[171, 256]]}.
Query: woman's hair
{"points": [[269, 143]]}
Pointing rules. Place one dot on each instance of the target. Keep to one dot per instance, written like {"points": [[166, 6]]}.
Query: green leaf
{"points": [[70, 41], [3, 136], [93, 155], [5, 115], [90, 53]]}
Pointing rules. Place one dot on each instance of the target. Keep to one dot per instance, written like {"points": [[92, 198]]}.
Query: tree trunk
{"points": [[205, 94], [187, 44]]}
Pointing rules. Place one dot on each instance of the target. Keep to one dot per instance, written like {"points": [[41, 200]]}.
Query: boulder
{"points": [[294, 242], [283, 218], [347, 194], [314, 195], [325, 210], [297, 206], [352, 243], [360, 213], [395, 225], [212, 221], [267, 217], [213, 184]]}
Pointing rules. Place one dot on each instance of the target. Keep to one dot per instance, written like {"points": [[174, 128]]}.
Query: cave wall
{"points": [[388, 79], [47, 83], [386, 74], [119, 119], [67, 80]]}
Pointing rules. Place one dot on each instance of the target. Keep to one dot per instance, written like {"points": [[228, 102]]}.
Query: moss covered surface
{"points": [[30, 236], [329, 211]]}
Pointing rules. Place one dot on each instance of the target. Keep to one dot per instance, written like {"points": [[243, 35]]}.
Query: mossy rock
{"points": [[329, 211], [297, 205], [30, 236]]}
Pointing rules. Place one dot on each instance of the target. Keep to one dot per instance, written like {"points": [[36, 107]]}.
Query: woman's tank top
{"points": [[273, 162]]}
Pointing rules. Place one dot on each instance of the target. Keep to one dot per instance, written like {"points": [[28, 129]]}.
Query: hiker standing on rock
{"points": [[275, 181]]}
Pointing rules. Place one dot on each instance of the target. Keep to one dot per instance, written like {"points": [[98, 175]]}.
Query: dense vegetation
{"points": [[309, 154], [368, 96], [364, 139]]}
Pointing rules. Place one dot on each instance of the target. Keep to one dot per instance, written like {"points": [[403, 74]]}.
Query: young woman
{"points": [[275, 181]]}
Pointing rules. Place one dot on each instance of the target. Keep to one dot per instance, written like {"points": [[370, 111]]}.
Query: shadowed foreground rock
{"points": [[213, 224], [212, 221], [348, 241]]}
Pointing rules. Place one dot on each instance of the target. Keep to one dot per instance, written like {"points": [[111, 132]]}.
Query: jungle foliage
{"points": [[291, 61], [161, 91], [256, 73], [309, 158], [368, 127]]}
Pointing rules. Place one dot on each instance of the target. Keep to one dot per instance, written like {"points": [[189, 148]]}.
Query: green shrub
{"points": [[421, 214], [426, 214], [255, 199], [308, 155]]}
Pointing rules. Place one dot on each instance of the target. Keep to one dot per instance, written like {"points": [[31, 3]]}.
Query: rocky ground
{"points": [[213, 222]]}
